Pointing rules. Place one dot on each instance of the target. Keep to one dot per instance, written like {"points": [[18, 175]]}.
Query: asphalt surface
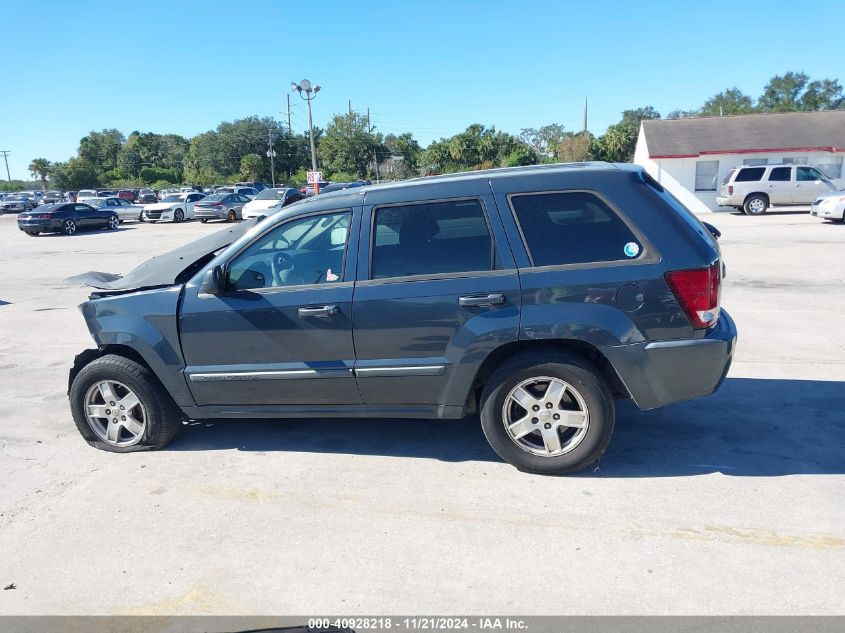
{"points": [[733, 504]]}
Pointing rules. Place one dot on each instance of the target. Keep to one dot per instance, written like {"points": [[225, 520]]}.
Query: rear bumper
{"points": [[724, 201], [210, 214], [662, 372]]}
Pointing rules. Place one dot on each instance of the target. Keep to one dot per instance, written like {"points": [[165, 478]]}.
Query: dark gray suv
{"points": [[534, 296]]}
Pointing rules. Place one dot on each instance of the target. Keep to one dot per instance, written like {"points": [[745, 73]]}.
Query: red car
{"points": [[128, 194]]}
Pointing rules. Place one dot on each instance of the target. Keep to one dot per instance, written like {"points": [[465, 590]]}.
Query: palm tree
{"points": [[40, 168]]}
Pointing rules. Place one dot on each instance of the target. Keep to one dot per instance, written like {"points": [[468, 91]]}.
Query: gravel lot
{"points": [[727, 505]]}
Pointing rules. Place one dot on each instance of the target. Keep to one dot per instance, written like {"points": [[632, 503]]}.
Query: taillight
{"points": [[730, 190], [41, 216], [697, 292]]}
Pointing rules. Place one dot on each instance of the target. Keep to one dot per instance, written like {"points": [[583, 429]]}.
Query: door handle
{"points": [[318, 311], [494, 299]]}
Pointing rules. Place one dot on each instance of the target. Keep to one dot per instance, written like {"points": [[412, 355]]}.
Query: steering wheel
{"points": [[282, 262]]}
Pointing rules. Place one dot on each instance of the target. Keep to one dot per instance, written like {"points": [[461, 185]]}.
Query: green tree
{"points": [[783, 92], [407, 147], [349, 146], [521, 155], [574, 148], [544, 140], [101, 149], [77, 173], [823, 95], [252, 166], [150, 175], [618, 143], [730, 101], [40, 168]]}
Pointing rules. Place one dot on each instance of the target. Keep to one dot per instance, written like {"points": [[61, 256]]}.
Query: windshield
{"points": [[271, 194], [215, 197], [15, 198], [226, 190], [87, 193], [174, 198]]}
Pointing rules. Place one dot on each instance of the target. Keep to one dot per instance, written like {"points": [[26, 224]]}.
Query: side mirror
{"points": [[213, 282]]}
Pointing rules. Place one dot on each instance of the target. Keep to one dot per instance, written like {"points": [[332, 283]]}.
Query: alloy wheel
{"points": [[115, 413], [545, 416], [69, 227]]}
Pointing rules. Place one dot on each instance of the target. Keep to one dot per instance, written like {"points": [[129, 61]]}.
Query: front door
{"points": [[437, 292], [809, 185], [281, 332]]}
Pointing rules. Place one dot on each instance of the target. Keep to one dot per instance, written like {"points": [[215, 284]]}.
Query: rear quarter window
{"points": [[574, 227], [750, 174]]}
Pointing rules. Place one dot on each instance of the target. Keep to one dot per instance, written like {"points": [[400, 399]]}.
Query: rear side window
{"points": [[431, 238], [780, 174], [750, 174], [572, 228]]}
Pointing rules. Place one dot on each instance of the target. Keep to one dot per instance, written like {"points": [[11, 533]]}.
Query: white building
{"points": [[691, 157]]}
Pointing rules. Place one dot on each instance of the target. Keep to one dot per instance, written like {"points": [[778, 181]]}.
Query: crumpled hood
{"points": [[165, 269]]}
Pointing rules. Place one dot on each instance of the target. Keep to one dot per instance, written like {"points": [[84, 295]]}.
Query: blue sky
{"points": [[430, 67]]}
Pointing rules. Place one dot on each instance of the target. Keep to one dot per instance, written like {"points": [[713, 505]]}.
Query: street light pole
{"points": [[272, 154], [308, 93]]}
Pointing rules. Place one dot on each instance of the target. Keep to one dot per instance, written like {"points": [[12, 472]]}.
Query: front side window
{"points": [[805, 174], [780, 174], [750, 174], [430, 239], [574, 227], [706, 175], [302, 251]]}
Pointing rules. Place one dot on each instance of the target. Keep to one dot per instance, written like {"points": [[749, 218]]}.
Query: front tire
{"points": [[32, 233], [178, 215], [119, 406], [547, 413], [203, 220], [756, 204]]}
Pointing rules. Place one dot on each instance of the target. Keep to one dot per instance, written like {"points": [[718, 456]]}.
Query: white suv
{"points": [[753, 189]]}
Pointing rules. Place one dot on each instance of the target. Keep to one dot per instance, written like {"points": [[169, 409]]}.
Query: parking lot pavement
{"points": [[730, 504]]}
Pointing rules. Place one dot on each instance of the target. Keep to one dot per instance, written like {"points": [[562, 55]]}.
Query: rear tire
{"points": [[756, 204], [203, 220], [69, 227], [585, 400], [231, 216], [161, 417]]}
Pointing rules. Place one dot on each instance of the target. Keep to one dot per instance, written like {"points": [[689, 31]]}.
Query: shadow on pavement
{"points": [[751, 427]]}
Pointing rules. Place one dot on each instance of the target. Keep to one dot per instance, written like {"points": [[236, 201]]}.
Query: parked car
{"points": [[753, 189], [246, 191], [125, 210], [220, 206], [17, 202], [533, 295], [86, 194], [254, 184], [174, 208], [71, 196], [310, 189], [51, 197], [147, 196], [67, 218], [830, 206], [340, 186], [271, 200], [128, 194]]}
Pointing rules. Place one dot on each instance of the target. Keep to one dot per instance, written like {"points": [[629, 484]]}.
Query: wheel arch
{"points": [[757, 193], [583, 349]]}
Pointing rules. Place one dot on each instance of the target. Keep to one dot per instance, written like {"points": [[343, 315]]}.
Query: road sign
{"points": [[314, 177]]}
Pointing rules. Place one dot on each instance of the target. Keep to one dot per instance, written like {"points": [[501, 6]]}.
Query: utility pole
{"points": [[272, 154], [375, 153], [350, 108], [6, 153], [290, 130]]}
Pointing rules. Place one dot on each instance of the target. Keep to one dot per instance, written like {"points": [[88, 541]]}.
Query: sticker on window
{"points": [[632, 249], [330, 276]]}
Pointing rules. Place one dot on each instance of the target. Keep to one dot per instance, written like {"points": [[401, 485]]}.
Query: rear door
{"points": [[437, 291], [780, 186]]}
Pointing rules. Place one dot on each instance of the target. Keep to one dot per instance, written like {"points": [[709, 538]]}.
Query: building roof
{"points": [[746, 133]]}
